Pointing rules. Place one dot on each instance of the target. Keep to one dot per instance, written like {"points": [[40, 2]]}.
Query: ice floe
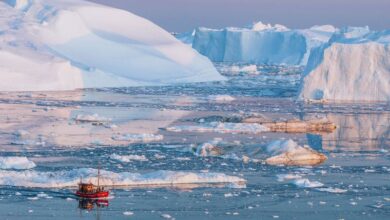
{"points": [[298, 180], [135, 138], [128, 158], [207, 149], [16, 163], [221, 127], [290, 153], [332, 190], [306, 183], [93, 118], [70, 178], [221, 98]]}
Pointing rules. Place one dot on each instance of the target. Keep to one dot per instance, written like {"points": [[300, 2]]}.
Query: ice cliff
{"points": [[260, 43], [70, 44], [353, 66]]}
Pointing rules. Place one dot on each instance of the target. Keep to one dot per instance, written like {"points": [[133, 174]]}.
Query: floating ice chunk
{"points": [[332, 190], [128, 213], [284, 177], [236, 69], [221, 98], [166, 216], [305, 183], [128, 158], [91, 118], [220, 127], [290, 153], [17, 163], [208, 149], [71, 178], [134, 138]]}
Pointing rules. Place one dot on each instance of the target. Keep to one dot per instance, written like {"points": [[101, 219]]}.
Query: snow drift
{"points": [[353, 66], [261, 43], [70, 44]]}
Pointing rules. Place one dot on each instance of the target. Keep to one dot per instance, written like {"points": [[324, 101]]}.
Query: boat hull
{"points": [[93, 195]]}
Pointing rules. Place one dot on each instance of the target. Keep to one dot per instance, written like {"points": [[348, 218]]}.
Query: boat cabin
{"points": [[89, 188]]}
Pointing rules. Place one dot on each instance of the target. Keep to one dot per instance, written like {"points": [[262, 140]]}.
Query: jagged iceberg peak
{"points": [[260, 26], [353, 66], [70, 44], [357, 35]]}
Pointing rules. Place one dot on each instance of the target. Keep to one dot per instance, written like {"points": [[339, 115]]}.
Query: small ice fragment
{"points": [[284, 177], [305, 183], [227, 195], [166, 216], [94, 118], [134, 138], [128, 158], [128, 213], [332, 190], [221, 98]]}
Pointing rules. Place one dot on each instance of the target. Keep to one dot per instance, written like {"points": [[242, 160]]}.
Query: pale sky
{"points": [[185, 15]]}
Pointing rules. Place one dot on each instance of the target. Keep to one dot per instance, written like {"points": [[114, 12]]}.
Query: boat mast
{"points": [[98, 182]]}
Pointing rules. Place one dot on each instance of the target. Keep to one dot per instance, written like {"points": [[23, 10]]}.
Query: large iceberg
{"points": [[70, 44], [353, 66], [260, 43]]}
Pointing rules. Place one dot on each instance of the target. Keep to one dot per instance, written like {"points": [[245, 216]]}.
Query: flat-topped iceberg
{"points": [[70, 44], [353, 66], [259, 43]]}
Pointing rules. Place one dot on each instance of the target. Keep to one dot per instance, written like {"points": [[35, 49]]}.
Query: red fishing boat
{"points": [[91, 191]]}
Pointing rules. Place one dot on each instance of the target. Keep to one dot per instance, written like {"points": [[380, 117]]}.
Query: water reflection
{"points": [[355, 132], [90, 204]]}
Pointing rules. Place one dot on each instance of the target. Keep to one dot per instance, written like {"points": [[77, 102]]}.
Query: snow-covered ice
{"points": [[71, 178], [16, 163], [353, 66], [70, 44]]}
